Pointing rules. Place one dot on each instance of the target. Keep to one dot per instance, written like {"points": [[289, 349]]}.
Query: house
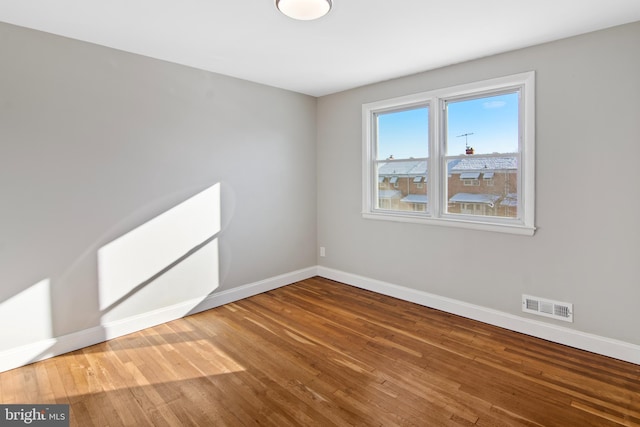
{"points": [[480, 185], [402, 185], [135, 191], [477, 185]]}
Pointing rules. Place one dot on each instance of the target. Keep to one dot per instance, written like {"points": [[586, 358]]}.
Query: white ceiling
{"points": [[358, 42]]}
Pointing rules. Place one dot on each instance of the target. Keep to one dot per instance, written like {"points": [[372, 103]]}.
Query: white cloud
{"points": [[494, 104]]}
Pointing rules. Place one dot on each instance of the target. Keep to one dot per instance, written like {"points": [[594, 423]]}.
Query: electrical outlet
{"points": [[322, 251]]}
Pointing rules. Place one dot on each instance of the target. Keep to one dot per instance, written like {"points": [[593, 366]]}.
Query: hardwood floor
{"points": [[321, 353]]}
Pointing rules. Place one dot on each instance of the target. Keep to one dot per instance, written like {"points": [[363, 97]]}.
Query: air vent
{"points": [[548, 308]]}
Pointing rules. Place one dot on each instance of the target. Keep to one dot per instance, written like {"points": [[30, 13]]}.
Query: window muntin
{"points": [[501, 198]]}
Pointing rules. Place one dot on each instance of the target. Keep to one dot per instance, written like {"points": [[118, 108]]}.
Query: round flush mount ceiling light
{"points": [[304, 10]]}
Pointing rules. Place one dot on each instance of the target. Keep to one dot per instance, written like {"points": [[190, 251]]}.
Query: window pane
{"points": [[402, 151], [485, 186], [403, 134], [483, 125]]}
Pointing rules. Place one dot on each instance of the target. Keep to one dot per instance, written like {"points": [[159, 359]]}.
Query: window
{"points": [[452, 140], [470, 178], [487, 177]]}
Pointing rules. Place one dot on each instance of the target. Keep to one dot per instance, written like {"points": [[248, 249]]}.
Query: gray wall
{"points": [[95, 142], [586, 249]]}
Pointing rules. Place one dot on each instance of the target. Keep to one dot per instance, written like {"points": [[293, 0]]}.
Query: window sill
{"points": [[518, 229]]}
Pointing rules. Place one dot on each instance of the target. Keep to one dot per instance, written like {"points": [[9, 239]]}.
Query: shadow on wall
{"points": [[169, 263]]}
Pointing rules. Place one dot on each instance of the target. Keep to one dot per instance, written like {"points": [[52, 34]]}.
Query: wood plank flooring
{"points": [[321, 353]]}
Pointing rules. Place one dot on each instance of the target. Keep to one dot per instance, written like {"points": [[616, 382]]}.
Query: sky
{"points": [[491, 122]]}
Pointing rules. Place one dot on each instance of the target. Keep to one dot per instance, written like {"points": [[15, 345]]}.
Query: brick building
{"points": [[402, 185], [483, 186], [476, 185]]}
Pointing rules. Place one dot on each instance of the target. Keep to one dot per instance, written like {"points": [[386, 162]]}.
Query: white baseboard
{"points": [[596, 344], [44, 349]]}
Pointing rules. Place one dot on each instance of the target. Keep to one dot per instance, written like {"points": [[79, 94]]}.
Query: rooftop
{"points": [[466, 164], [403, 167], [474, 163], [489, 199]]}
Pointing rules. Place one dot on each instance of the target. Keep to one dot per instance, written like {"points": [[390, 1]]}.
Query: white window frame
{"points": [[435, 100]]}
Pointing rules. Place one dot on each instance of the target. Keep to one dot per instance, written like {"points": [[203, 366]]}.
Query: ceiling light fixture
{"points": [[304, 10]]}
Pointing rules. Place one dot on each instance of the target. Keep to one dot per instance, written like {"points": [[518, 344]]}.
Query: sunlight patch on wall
{"points": [[130, 262], [26, 316]]}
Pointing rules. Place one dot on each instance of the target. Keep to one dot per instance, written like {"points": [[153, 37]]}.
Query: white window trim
{"points": [[524, 226]]}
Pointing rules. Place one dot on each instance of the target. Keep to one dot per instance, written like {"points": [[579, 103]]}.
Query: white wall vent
{"points": [[548, 308]]}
